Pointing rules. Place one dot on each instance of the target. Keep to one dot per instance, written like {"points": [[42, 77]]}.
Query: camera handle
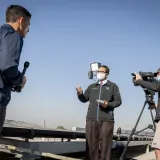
{"points": [[134, 129]]}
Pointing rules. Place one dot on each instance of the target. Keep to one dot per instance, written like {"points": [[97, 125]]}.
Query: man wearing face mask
{"points": [[11, 43], [155, 86], [100, 116]]}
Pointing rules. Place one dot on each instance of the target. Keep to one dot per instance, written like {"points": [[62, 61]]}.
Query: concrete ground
{"points": [[147, 156], [132, 153], [137, 154]]}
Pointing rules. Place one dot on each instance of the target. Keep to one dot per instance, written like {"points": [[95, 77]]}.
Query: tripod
{"points": [[149, 100]]}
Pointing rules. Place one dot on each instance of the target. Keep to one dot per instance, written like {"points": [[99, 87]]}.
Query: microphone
{"points": [[26, 65]]}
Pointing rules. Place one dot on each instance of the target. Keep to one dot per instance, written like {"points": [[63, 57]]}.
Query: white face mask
{"points": [[101, 76], [158, 78]]}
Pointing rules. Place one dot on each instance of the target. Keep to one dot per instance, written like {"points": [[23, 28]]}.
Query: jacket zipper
{"points": [[98, 103]]}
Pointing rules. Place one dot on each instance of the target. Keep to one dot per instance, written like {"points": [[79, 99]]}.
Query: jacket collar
{"points": [[108, 83]]}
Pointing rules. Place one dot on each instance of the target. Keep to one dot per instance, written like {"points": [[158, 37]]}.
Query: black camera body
{"points": [[146, 76]]}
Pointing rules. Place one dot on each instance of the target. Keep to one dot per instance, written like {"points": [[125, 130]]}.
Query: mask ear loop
{"points": [[106, 74]]}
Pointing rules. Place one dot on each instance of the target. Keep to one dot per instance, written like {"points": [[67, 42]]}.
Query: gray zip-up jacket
{"points": [[154, 86], [108, 92]]}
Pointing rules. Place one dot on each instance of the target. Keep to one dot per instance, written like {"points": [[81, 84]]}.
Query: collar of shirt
{"points": [[10, 29], [103, 82]]}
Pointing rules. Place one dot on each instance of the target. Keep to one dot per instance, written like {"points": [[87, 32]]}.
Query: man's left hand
{"points": [[138, 77], [104, 105]]}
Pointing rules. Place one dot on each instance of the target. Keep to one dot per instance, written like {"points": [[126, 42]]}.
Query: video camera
{"points": [[93, 70], [146, 76]]}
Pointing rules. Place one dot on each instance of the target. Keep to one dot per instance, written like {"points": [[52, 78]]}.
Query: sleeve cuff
{"points": [[110, 104]]}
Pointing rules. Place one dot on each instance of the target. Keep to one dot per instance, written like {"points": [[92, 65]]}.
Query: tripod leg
{"points": [[153, 119], [141, 130], [132, 132]]}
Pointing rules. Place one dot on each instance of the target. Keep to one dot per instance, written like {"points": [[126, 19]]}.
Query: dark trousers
{"points": [[4, 100], [5, 97], [99, 136], [2, 116]]}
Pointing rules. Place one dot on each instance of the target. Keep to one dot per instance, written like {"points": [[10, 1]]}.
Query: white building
{"points": [[78, 129]]}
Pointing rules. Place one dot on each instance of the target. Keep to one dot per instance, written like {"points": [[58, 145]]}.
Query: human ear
{"points": [[21, 20]]}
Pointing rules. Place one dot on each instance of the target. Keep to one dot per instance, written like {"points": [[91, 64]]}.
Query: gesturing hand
{"points": [[79, 90]]}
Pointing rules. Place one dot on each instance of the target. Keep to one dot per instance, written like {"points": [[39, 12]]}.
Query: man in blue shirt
{"points": [[11, 43]]}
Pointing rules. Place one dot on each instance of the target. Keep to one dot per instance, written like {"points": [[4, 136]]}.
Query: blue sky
{"points": [[65, 37]]}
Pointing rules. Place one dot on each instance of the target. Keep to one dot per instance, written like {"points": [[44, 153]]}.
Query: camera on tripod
{"points": [[149, 95], [93, 70], [146, 76]]}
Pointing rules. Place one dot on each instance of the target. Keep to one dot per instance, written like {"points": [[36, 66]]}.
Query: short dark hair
{"points": [[13, 12], [106, 68]]}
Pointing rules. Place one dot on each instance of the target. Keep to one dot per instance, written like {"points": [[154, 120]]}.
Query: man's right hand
{"points": [[22, 85], [24, 80], [79, 90]]}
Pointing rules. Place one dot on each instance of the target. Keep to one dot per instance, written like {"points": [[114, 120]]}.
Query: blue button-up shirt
{"points": [[11, 43]]}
